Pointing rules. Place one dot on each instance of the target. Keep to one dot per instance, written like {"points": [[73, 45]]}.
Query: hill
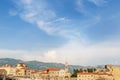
{"points": [[37, 65]]}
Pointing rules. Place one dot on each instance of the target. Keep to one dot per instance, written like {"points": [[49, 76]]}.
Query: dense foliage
{"points": [[75, 71]]}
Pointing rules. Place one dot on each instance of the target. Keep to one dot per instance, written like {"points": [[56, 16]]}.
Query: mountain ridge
{"points": [[37, 65]]}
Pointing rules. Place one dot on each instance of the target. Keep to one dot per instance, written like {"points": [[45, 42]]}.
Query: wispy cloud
{"points": [[99, 2], [91, 22], [78, 53], [40, 14], [80, 6], [35, 11]]}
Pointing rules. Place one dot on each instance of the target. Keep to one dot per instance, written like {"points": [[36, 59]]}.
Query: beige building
{"points": [[94, 76], [53, 74], [114, 70], [3, 74], [62, 73], [44, 75], [21, 65], [11, 70], [35, 75], [23, 71]]}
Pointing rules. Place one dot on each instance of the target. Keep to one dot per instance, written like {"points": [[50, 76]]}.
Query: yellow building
{"points": [[23, 71], [11, 70]]}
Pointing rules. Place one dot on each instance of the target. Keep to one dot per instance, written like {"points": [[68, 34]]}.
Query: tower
{"points": [[66, 67], [67, 73]]}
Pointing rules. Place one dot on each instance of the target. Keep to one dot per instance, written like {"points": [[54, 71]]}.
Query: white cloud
{"points": [[79, 53], [62, 20], [45, 27], [107, 52], [99, 2], [50, 56]]}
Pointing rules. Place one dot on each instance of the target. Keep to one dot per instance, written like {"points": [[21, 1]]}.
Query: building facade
{"points": [[94, 76], [11, 70]]}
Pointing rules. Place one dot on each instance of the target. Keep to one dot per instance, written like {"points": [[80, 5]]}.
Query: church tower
{"points": [[67, 73], [66, 67]]}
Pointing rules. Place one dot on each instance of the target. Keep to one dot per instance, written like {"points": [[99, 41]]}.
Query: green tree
{"points": [[91, 69], [75, 71], [81, 70]]}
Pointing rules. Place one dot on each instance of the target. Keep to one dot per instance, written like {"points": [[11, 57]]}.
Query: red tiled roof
{"points": [[109, 74], [52, 69], [33, 72], [1, 70]]}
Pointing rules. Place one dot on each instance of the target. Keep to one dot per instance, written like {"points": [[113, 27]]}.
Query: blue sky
{"points": [[85, 32]]}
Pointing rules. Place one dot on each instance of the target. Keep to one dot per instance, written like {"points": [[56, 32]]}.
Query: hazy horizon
{"points": [[24, 61]]}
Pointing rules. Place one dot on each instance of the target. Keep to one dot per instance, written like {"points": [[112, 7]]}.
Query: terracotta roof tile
{"points": [[1, 70], [52, 69]]}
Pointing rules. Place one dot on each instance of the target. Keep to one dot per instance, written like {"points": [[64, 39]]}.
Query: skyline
{"points": [[83, 32]]}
